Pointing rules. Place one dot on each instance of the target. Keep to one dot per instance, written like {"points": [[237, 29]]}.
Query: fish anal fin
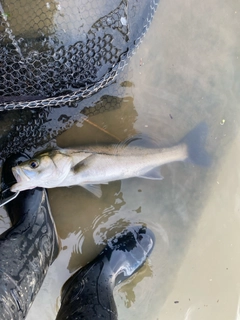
{"points": [[93, 188], [153, 174]]}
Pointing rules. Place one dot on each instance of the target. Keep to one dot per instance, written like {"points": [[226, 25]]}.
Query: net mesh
{"points": [[56, 53]]}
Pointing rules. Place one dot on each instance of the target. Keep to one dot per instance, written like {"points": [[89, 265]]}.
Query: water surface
{"points": [[186, 71]]}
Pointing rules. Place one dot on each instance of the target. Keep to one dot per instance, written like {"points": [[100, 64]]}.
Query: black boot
{"points": [[88, 294], [26, 249]]}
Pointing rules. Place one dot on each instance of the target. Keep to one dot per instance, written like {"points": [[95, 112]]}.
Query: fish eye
{"points": [[34, 164]]}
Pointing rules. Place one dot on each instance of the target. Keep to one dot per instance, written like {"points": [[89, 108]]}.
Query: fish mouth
{"points": [[19, 174]]}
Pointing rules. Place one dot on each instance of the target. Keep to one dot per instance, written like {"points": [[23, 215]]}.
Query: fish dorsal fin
{"points": [[93, 188], [153, 174]]}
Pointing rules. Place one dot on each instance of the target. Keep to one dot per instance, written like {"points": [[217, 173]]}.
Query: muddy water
{"points": [[186, 71]]}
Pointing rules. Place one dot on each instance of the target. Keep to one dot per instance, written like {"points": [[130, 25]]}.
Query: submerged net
{"points": [[54, 53]]}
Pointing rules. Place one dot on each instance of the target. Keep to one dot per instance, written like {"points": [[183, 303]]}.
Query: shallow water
{"points": [[185, 71]]}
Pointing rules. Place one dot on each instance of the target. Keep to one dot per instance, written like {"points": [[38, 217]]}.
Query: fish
{"points": [[94, 165]]}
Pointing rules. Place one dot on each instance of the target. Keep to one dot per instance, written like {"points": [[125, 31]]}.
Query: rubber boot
{"points": [[26, 249], [88, 294]]}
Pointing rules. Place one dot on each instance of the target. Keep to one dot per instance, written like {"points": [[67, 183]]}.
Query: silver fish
{"points": [[94, 165]]}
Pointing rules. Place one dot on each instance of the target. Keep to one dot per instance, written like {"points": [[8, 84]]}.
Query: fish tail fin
{"points": [[195, 141]]}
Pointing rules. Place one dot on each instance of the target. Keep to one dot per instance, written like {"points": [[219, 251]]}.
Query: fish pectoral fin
{"points": [[153, 174], [82, 164], [93, 188]]}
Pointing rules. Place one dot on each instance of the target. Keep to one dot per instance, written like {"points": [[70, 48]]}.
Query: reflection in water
{"points": [[238, 310], [103, 127], [126, 292], [30, 20]]}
